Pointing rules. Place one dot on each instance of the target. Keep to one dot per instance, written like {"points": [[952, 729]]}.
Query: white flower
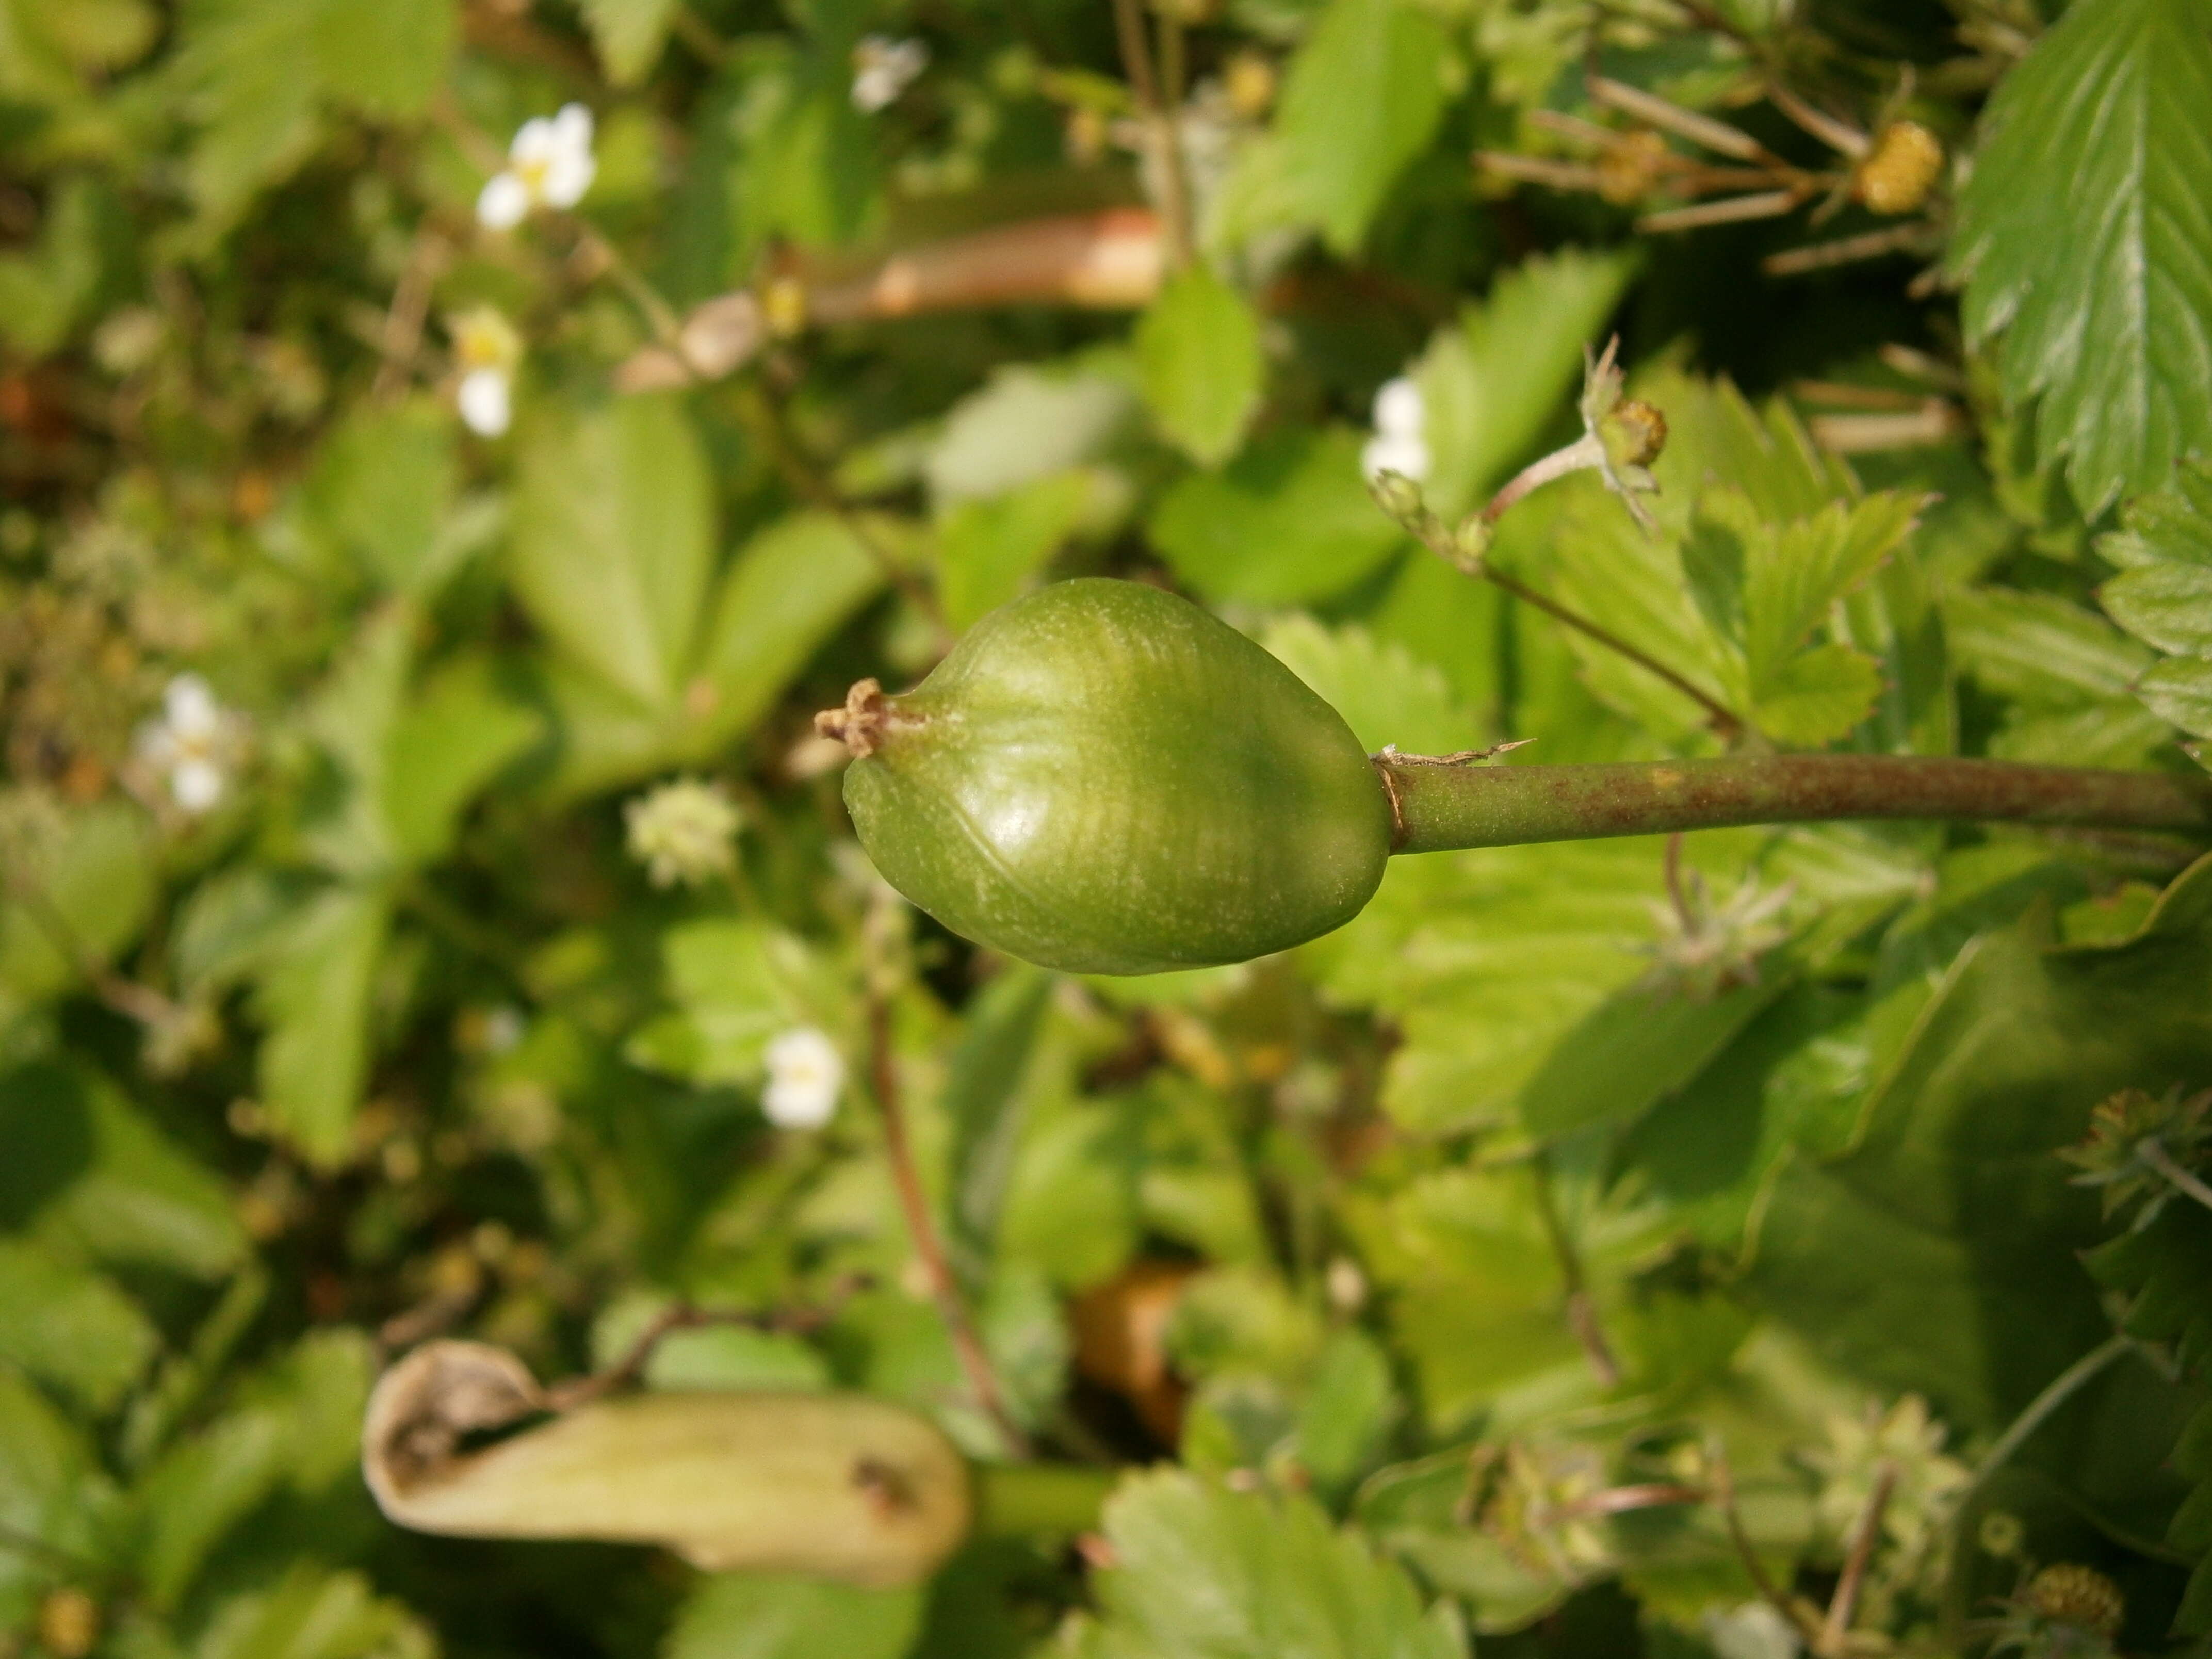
{"points": [[195, 742], [1398, 445], [684, 832], [883, 68], [486, 347], [804, 1073], [550, 164]]}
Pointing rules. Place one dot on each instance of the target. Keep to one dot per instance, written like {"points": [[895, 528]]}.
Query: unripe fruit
{"points": [[1103, 778]]}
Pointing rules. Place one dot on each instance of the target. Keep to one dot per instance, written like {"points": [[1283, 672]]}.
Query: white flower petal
{"points": [[189, 706], [485, 405], [1387, 453], [805, 1075], [196, 784], [534, 143], [1398, 409], [567, 176], [504, 200], [572, 128]]}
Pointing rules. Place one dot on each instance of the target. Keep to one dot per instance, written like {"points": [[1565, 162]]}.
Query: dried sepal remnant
{"points": [[838, 1486]]}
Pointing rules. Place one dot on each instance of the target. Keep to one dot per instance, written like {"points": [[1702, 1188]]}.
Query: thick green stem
{"points": [[1439, 806], [1018, 1500]]}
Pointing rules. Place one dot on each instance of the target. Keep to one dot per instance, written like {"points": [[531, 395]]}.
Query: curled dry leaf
{"points": [[838, 1486]]}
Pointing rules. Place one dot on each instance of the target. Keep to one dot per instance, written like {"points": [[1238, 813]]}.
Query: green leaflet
{"points": [[2085, 237], [2163, 594]]}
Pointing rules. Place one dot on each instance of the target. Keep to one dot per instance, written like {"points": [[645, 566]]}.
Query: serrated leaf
{"points": [[239, 64], [2039, 648], [1363, 96], [1288, 519], [1817, 696], [989, 549], [1491, 381], [2179, 690], [1199, 363], [1201, 1573], [70, 1326], [1812, 564], [2170, 605], [313, 997], [613, 540], [629, 35], [88, 1171], [1385, 694], [2085, 235], [1934, 1257]]}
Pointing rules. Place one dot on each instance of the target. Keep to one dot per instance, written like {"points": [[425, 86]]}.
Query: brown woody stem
{"points": [[1443, 807]]}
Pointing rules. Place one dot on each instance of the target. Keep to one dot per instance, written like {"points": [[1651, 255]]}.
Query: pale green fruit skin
{"points": [[1103, 778]]}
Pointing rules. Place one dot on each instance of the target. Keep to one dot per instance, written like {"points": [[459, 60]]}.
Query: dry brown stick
{"points": [[929, 1249], [1845, 1603], [402, 335], [1160, 130]]}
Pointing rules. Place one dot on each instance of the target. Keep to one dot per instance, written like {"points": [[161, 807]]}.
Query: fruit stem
{"points": [[1436, 807]]}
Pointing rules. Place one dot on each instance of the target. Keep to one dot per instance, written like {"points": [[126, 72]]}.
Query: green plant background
{"points": [[1529, 1188]]}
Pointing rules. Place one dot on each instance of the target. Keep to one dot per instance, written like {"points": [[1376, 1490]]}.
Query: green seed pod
{"points": [[1103, 778]]}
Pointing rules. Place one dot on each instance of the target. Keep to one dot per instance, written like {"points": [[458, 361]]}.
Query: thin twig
{"points": [[1724, 1496], [2060, 1388], [1717, 713], [1582, 1312], [1845, 1603], [402, 335], [929, 1248], [2152, 1151], [1160, 131]]}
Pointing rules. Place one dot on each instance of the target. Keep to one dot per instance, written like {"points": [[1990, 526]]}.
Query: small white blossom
{"points": [[195, 744], [486, 350], [550, 164], [684, 832], [804, 1074], [1398, 445], [883, 68]]}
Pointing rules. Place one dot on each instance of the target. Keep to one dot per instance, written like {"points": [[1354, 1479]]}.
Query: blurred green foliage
{"points": [[417, 853]]}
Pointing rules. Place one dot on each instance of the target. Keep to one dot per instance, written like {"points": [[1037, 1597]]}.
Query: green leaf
{"points": [[2179, 691], [988, 548], [2169, 606], [808, 168], [312, 1613], [2085, 235], [1363, 95], [246, 69], [70, 1326], [100, 882], [1385, 694], [629, 35], [984, 1099], [1494, 381], [1201, 1573], [385, 57], [1029, 422], [1350, 1403], [1288, 519], [45, 289], [1818, 696], [453, 738], [1634, 1048], [1935, 1256], [87, 1172], [313, 997], [1200, 362], [49, 1493], [384, 481], [613, 540], [735, 985], [782, 1616], [1812, 564]]}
